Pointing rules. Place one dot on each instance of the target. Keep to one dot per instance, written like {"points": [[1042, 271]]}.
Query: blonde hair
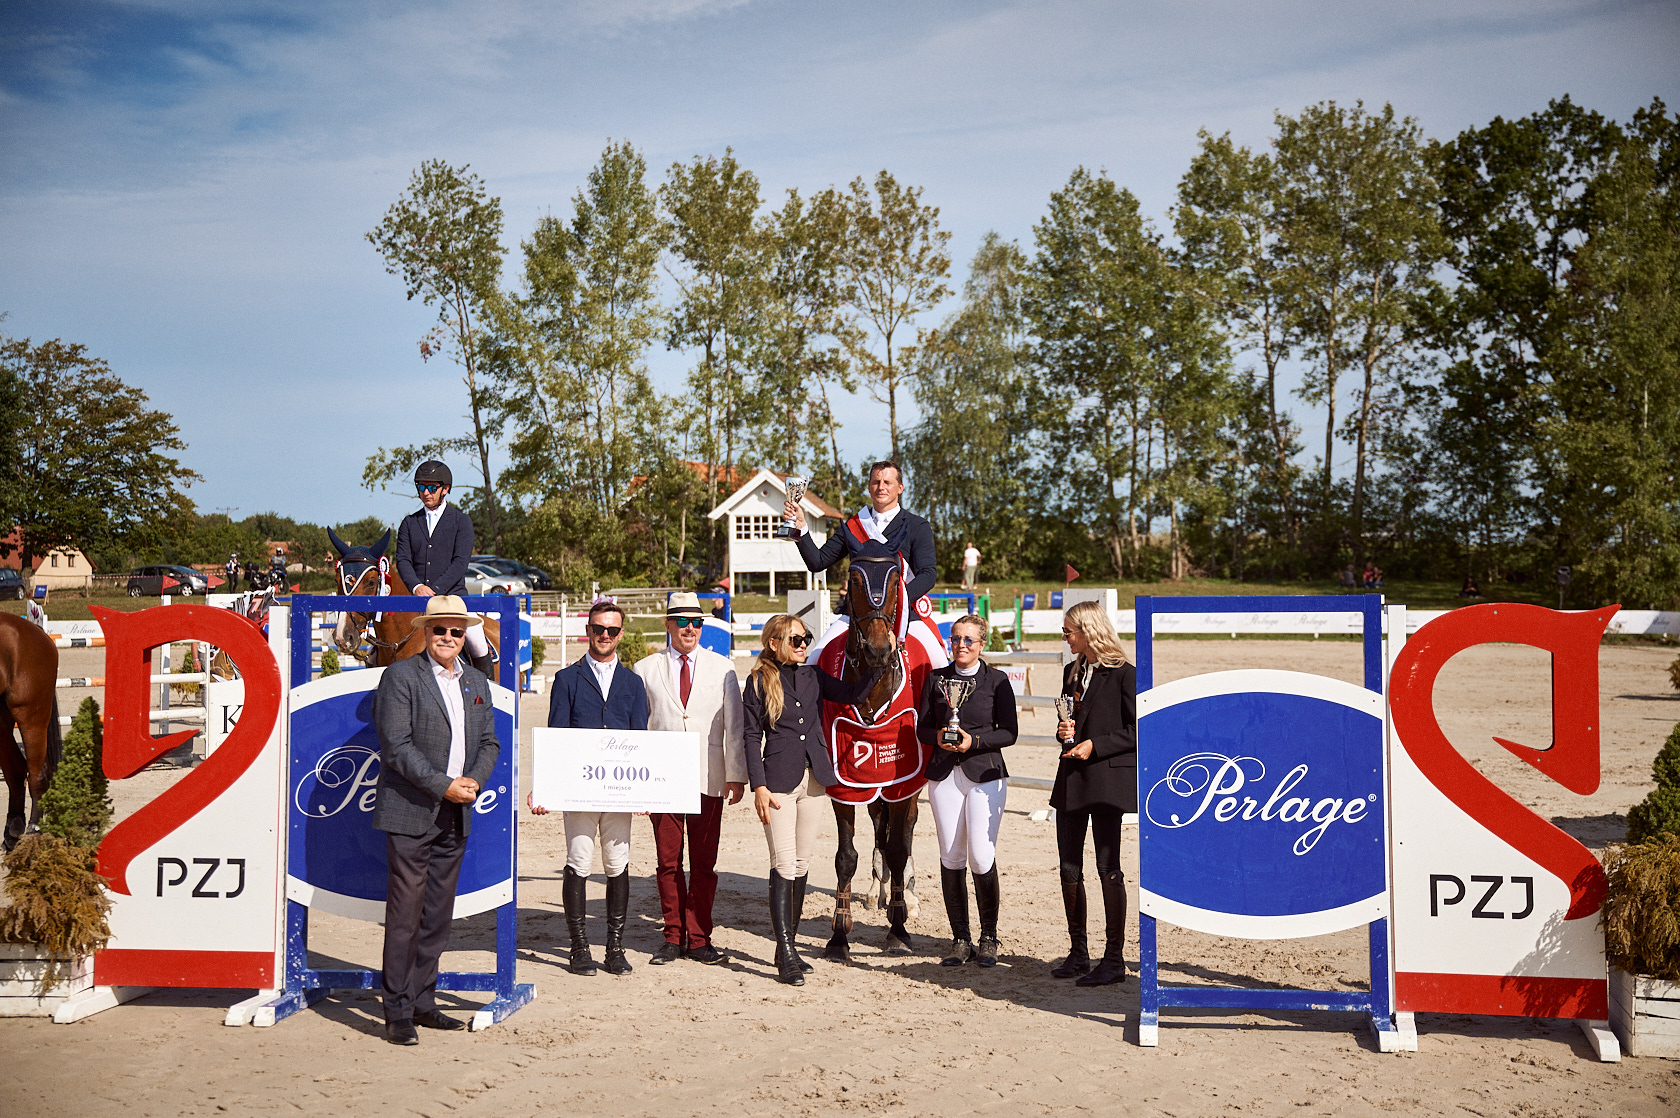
{"points": [[1092, 620], [768, 669]]}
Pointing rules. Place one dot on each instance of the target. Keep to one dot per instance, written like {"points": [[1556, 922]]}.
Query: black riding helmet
{"points": [[433, 473]]}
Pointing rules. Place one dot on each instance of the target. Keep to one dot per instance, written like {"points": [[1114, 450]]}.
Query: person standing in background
{"points": [[971, 566]]}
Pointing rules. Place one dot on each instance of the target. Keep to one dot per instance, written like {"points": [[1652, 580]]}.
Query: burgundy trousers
{"points": [[687, 903]]}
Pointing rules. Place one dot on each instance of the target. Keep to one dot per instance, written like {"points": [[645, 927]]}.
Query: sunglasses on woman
{"points": [[965, 642], [446, 631], [606, 630], [690, 622], [800, 641]]}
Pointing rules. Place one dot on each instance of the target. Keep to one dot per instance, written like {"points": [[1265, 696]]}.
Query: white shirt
{"points": [[975, 670], [875, 523], [434, 515], [449, 686], [676, 667], [603, 672], [971, 557]]}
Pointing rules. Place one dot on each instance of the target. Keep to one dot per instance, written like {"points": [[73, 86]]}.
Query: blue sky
{"points": [[186, 184]]}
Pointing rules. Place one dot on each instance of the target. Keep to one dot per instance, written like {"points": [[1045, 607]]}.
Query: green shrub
{"points": [[633, 647], [539, 652], [77, 807], [1641, 915], [329, 662], [55, 898], [185, 667], [1659, 814]]}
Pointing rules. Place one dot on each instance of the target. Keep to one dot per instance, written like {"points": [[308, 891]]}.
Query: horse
{"points": [[366, 570], [877, 755], [29, 701]]}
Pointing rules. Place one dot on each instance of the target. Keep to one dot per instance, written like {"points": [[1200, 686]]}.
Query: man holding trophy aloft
{"points": [[968, 713]]}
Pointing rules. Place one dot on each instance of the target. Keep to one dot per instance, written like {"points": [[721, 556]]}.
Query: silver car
{"points": [[483, 580]]}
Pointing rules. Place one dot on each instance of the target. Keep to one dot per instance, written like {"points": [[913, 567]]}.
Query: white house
{"points": [[756, 556]]}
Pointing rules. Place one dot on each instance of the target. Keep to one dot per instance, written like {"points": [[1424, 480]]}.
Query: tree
{"points": [[443, 237], [93, 467], [896, 266]]}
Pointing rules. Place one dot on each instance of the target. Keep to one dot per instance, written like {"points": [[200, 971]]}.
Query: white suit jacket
{"points": [[714, 712]]}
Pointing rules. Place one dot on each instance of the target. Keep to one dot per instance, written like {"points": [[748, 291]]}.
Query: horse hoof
{"points": [[898, 944], [837, 952]]}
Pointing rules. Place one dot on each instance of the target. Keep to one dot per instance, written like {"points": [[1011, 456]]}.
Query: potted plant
{"points": [[55, 913], [1642, 917]]}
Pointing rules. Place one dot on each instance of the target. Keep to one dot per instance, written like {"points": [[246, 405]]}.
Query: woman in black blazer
{"points": [[967, 786], [1096, 784], [789, 767]]}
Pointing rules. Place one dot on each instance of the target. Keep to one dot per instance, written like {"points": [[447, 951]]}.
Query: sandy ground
{"points": [[902, 1035]]}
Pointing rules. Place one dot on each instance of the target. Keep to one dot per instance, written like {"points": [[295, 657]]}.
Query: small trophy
{"points": [[795, 492], [956, 691], [1064, 712]]}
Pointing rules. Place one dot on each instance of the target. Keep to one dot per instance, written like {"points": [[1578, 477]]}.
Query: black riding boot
{"points": [[618, 907], [799, 915], [485, 664], [1078, 960], [1112, 968], [986, 900], [954, 884], [788, 962], [573, 890]]}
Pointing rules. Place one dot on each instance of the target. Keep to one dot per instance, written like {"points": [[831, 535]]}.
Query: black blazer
{"points": [[988, 715], [438, 560], [908, 534], [777, 755], [1107, 716]]}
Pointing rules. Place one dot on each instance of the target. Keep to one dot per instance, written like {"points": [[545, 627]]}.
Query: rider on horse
{"points": [[880, 530], [433, 545]]}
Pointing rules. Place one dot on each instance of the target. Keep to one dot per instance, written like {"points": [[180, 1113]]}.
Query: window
{"points": [[55, 560], [70, 560], [752, 527]]}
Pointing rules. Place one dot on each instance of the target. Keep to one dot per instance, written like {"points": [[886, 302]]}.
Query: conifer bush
{"points": [[1659, 814], [77, 806], [329, 662], [1641, 915]]}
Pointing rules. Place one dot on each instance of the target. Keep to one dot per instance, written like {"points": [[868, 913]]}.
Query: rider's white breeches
{"points": [[966, 816]]}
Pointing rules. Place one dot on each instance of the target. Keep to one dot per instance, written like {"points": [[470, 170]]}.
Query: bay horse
{"points": [[28, 701], [366, 570], [876, 753]]}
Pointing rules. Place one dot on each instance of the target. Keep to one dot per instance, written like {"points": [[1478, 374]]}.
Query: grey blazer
{"points": [[414, 744]]}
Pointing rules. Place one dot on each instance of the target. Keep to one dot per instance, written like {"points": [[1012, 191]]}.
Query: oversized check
{"points": [[615, 770]]}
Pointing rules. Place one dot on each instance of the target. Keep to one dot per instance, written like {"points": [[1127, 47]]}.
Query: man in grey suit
{"points": [[437, 748]]}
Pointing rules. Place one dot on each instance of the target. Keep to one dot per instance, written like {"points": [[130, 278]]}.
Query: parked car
{"points": [[150, 581], [482, 579], [11, 584], [535, 577]]}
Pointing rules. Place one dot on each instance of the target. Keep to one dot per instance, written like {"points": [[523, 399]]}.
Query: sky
{"points": [[184, 186]]}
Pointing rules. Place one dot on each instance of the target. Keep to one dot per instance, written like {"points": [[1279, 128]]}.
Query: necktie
{"points": [[687, 680]]}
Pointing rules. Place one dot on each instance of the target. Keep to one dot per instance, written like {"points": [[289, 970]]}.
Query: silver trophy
{"points": [[795, 492], [1064, 713], [956, 690]]}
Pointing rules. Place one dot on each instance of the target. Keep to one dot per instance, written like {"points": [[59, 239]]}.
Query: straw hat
{"points": [[683, 604], [441, 607]]}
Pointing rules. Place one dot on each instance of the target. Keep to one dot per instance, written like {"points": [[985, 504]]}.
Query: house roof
{"points": [[811, 503]]}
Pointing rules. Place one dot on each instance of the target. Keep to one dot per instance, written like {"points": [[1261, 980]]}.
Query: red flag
{"points": [[1071, 573]]}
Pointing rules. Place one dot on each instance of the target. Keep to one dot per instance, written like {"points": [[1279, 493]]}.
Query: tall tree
{"points": [[443, 237], [94, 462], [896, 265]]}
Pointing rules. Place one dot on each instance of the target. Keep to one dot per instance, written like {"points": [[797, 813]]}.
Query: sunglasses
{"points": [[690, 622], [428, 488], [606, 630], [800, 641], [446, 631], [965, 642]]}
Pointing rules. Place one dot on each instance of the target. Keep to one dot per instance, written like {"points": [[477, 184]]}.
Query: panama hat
{"points": [[683, 604], [441, 606]]}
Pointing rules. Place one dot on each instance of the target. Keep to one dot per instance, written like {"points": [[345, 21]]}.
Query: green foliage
{"points": [[539, 651], [55, 898], [329, 662], [1659, 813], [1641, 916], [77, 807], [633, 647]]}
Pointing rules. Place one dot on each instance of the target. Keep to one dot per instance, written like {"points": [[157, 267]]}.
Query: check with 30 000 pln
{"points": [[615, 770]]}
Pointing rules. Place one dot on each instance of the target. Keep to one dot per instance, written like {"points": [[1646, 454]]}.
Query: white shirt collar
{"points": [[451, 672], [603, 671], [875, 523], [975, 670], [432, 515]]}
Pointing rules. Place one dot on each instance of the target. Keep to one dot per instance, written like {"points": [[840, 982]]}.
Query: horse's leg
{"points": [[894, 827], [16, 772], [845, 865]]}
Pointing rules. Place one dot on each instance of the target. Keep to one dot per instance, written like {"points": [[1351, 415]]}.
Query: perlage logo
{"points": [[348, 773], [1206, 777]]}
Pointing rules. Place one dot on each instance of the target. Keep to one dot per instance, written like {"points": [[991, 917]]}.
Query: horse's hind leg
{"points": [[17, 775], [845, 866]]}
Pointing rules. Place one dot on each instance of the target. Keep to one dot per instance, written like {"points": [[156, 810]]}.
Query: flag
{"points": [[1071, 573]]}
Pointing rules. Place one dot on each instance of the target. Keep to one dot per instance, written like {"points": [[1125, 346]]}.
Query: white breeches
{"points": [[614, 829], [477, 643], [966, 816]]}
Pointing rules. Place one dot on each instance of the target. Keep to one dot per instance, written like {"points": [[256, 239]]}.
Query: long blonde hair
{"points": [[768, 669], [1092, 620]]}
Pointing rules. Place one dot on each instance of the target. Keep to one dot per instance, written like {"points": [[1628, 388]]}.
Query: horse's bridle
{"points": [[879, 613], [374, 567]]}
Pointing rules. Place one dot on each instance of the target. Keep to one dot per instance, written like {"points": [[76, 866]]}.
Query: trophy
{"points": [[1064, 712], [795, 491], [956, 691]]}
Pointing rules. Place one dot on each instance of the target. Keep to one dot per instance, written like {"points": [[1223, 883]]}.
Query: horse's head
{"points": [[355, 565], [873, 600]]}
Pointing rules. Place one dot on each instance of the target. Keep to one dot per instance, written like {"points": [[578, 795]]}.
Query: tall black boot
{"points": [[788, 967], [1113, 966], [573, 890], [485, 664], [1078, 960], [799, 914], [986, 900], [954, 884], [618, 907]]}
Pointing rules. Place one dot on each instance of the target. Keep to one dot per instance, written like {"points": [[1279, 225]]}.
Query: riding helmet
{"points": [[433, 473]]}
